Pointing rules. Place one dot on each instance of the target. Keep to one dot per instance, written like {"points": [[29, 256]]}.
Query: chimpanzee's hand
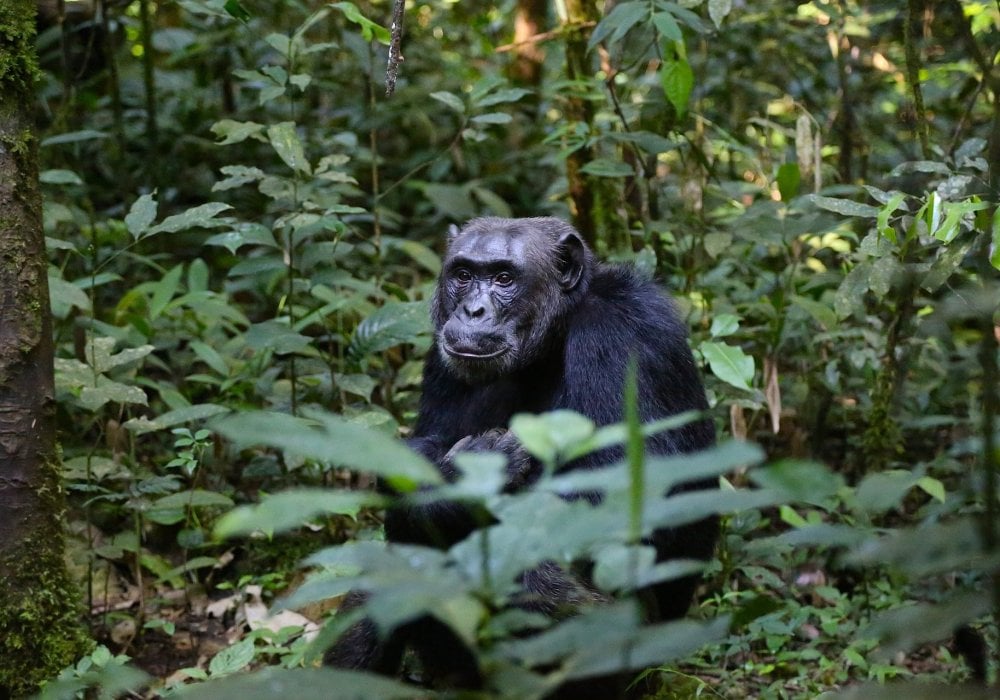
{"points": [[521, 468]]}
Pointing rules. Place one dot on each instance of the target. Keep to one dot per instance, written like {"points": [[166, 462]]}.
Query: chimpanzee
{"points": [[526, 320]]}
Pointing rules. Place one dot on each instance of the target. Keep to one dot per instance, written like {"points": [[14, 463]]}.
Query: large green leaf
{"points": [[202, 216], [393, 324], [610, 639], [141, 215], [677, 79], [729, 363], [274, 683], [287, 145], [847, 207], [369, 30], [329, 438], [186, 414], [291, 509], [617, 23]]}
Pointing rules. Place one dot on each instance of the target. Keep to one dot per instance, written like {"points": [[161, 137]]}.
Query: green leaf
{"points": [[798, 480], [788, 181], [282, 44], [74, 137], [723, 325], [66, 295], [667, 26], [303, 683], [453, 200], [197, 498], [821, 313], [847, 207], [359, 384], [932, 487], [718, 9], [931, 548], [238, 175], [93, 397], [617, 23], [605, 167], [492, 118], [232, 659], [502, 97], [420, 253], [292, 509], [231, 131], [850, 294], [278, 337], [451, 100], [677, 79], [393, 324], [202, 216], [300, 80], [911, 626], [141, 215], [955, 214], [581, 643], [329, 438], [211, 357], [920, 166], [551, 435], [245, 233], [99, 354], [730, 364], [369, 29], [186, 414], [269, 93], [235, 9], [946, 265], [164, 291], [287, 145], [887, 210], [59, 177], [883, 491], [717, 242]]}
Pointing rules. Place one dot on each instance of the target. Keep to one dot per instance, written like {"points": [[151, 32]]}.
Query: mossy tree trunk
{"points": [[580, 14], [40, 630], [595, 202]]}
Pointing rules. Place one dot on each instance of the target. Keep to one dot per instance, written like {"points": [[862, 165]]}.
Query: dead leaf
{"points": [[737, 423], [772, 393]]}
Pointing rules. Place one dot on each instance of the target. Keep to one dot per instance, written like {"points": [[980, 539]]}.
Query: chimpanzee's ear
{"points": [[452, 233], [571, 258]]}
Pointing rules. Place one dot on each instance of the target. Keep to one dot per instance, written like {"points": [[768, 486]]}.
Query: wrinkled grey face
{"points": [[499, 291]]}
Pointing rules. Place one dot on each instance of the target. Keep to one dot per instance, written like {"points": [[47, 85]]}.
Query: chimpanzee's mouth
{"points": [[473, 353]]}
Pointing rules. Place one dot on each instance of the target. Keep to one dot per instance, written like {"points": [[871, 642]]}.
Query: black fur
{"points": [[557, 335]]}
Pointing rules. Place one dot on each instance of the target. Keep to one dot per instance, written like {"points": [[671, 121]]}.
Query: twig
{"points": [[544, 36], [913, 74], [395, 56]]}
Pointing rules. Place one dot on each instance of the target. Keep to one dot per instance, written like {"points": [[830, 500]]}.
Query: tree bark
{"points": [[579, 13], [40, 630], [529, 18], [595, 202]]}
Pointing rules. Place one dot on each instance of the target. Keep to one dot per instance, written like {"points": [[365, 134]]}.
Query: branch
{"points": [[544, 36], [395, 57]]}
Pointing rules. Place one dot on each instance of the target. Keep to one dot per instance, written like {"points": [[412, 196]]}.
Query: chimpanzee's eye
{"points": [[504, 279]]}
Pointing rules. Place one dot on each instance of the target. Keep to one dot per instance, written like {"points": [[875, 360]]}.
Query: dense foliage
{"points": [[243, 234]]}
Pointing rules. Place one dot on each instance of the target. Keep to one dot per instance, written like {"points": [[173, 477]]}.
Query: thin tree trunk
{"points": [[579, 13], [149, 84], [40, 630], [529, 18], [595, 202]]}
